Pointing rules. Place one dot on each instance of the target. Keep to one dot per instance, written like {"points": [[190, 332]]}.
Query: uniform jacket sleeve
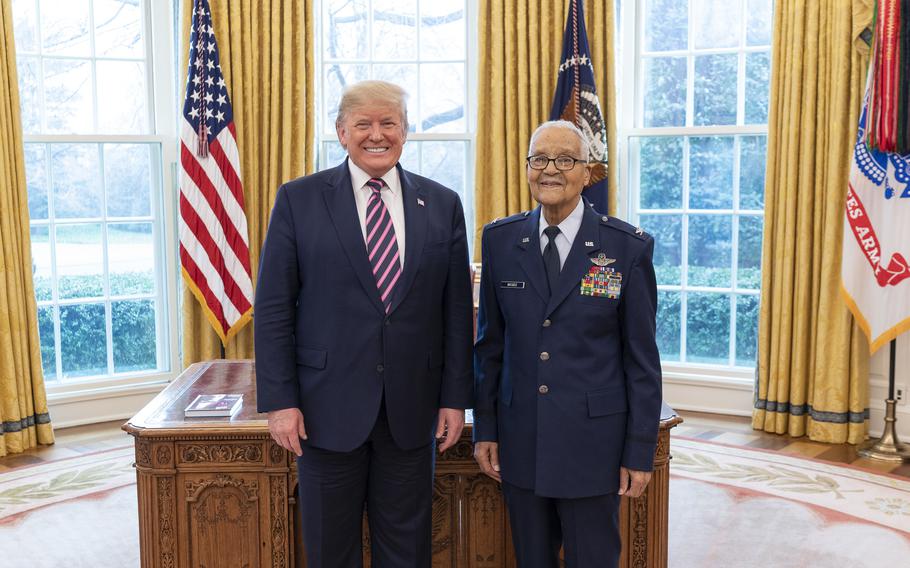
{"points": [[488, 352], [641, 362]]}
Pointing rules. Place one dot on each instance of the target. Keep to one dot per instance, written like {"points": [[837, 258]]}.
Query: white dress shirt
{"points": [[391, 196], [567, 231]]}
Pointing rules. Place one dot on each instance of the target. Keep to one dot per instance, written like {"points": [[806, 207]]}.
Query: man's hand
{"points": [[449, 427], [286, 428], [487, 456], [633, 482]]}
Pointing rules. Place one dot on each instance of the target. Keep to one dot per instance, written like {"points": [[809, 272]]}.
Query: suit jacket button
{"points": [[544, 356], [543, 389], [380, 368], [546, 323]]}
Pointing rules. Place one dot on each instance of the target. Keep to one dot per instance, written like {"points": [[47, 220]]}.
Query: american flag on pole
{"points": [[576, 101], [214, 243]]}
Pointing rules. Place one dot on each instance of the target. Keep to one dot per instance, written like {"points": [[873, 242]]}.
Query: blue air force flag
{"points": [[576, 101], [876, 245]]}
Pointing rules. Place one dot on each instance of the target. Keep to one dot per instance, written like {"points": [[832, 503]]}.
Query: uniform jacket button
{"points": [[544, 356], [543, 389]]}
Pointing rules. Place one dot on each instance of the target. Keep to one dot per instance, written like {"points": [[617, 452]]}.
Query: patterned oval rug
{"points": [[740, 507], [730, 507]]}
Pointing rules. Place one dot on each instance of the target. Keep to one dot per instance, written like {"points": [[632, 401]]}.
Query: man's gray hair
{"points": [[371, 93], [583, 140]]}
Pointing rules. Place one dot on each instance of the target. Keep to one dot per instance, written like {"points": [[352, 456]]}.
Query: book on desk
{"points": [[213, 405]]}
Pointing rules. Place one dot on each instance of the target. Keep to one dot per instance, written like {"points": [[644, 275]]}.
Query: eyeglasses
{"points": [[563, 163]]}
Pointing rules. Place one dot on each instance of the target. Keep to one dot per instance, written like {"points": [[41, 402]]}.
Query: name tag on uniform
{"points": [[513, 284]]}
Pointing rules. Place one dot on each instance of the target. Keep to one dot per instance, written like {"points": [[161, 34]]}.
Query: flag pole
{"points": [[888, 447]]}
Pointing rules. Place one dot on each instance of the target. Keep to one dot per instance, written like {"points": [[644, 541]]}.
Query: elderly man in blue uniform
{"points": [[363, 337], [566, 367]]}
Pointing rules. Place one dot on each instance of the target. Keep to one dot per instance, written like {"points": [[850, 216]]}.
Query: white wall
{"points": [[735, 398], [878, 388], [102, 405]]}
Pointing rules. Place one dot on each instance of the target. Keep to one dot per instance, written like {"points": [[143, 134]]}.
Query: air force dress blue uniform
{"points": [[569, 382], [361, 376]]}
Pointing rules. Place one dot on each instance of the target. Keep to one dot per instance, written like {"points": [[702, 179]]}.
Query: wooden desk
{"points": [[218, 493]]}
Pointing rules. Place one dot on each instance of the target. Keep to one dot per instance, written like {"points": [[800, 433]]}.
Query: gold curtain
{"points": [[266, 49], [24, 420], [520, 43], [813, 359]]}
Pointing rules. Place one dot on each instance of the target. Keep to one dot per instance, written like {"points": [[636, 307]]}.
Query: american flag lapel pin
{"points": [[420, 202]]}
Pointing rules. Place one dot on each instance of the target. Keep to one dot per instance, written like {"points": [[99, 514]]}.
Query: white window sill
{"points": [[704, 388], [104, 400]]}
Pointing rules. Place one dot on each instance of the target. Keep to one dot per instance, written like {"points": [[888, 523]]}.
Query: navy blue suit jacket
{"points": [[323, 340], [568, 419]]}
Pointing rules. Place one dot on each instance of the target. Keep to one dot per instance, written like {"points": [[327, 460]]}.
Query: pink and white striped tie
{"points": [[382, 246]]}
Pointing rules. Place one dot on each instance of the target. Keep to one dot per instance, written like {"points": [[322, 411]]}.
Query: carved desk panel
{"points": [[218, 493]]}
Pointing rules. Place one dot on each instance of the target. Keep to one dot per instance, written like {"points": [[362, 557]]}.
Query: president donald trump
{"points": [[363, 328]]}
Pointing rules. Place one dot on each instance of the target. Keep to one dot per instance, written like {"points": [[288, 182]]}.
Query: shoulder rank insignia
{"points": [[639, 231]]}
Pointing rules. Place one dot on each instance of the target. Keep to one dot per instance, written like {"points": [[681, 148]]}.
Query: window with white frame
{"points": [[94, 158], [695, 88], [422, 45]]}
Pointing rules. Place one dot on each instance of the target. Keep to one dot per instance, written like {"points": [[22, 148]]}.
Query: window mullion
{"points": [[683, 323], [690, 70], [39, 56], [731, 349], [151, 110], [370, 21], [684, 253], [418, 127], [105, 266], [93, 64], [52, 244], [684, 230], [741, 89], [163, 312], [734, 256]]}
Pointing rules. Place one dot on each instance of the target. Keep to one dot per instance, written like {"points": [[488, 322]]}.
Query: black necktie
{"points": [[551, 256]]}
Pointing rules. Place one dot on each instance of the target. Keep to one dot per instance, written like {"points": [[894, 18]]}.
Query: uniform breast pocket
{"points": [[512, 291], [514, 295], [598, 302]]}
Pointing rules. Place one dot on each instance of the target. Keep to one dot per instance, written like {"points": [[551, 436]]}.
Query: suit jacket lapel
{"points": [[339, 201], [577, 264], [415, 232], [530, 258]]}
